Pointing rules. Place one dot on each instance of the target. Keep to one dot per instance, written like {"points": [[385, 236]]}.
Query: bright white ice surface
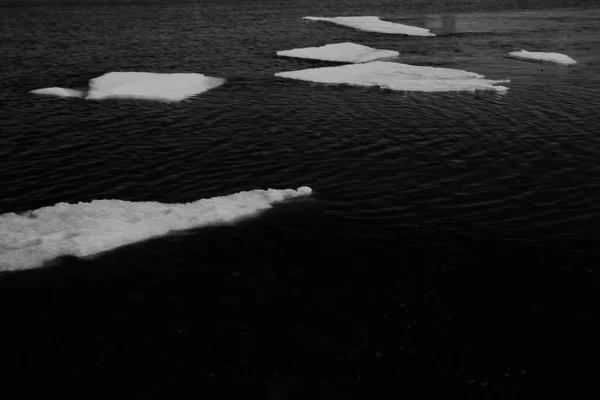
{"points": [[343, 52], [141, 85], [84, 229], [397, 76], [60, 92], [152, 86], [374, 24], [540, 56]]}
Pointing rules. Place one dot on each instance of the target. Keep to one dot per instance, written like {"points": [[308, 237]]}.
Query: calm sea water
{"points": [[449, 249]]}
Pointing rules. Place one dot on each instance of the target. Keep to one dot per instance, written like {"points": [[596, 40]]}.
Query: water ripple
{"points": [[521, 162]]}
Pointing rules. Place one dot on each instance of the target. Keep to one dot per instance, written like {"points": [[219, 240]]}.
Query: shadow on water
{"points": [[270, 308]]}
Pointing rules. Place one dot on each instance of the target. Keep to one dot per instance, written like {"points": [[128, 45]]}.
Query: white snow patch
{"points": [[374, 24], [397, 76], [60, 92], [343, 52], [545, 57], [84, 229], [141, 85]]}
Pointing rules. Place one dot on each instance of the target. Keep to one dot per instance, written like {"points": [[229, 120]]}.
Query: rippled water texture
{"points": [[524, 163], [448, 249]]}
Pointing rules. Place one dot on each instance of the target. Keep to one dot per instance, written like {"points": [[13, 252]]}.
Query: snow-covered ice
{"points": [[343, 52], [374, 24], [60, 92], [141, 85], [152, 86], [84, 229], [397, 76], [545, 57]]}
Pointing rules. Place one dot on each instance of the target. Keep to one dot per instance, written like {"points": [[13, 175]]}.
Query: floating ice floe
{"points": [[397, 76], [84, 229], [141, 85], [374, 24], [153, 86], [342, 52], [544, 57], [60, 92]]}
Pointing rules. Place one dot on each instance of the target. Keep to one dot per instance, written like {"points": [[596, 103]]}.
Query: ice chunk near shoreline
{"points": [[397, 76], [544, 57], [342, 52], [374, 24], [141, 85], [84, 229], [151, 86], [60, 92]]}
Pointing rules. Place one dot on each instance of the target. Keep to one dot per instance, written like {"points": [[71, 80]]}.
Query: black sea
{"points": [[449, 247]]}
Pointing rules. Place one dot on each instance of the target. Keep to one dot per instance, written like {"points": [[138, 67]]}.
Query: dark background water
{"points": [[449, 249]]}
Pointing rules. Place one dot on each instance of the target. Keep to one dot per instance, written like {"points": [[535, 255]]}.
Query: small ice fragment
{"points": [[58, 91], [374, 24], [543, 57]]}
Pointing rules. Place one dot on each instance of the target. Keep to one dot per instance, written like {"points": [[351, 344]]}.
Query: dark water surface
{"points": [[449, 249]]}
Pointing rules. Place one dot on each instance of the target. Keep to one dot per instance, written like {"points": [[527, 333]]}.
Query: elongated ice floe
{"points": [[60, 92], [397, 76], [84, 229], [544, 57], [141, 85], [342, 52], [374, 24]]}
